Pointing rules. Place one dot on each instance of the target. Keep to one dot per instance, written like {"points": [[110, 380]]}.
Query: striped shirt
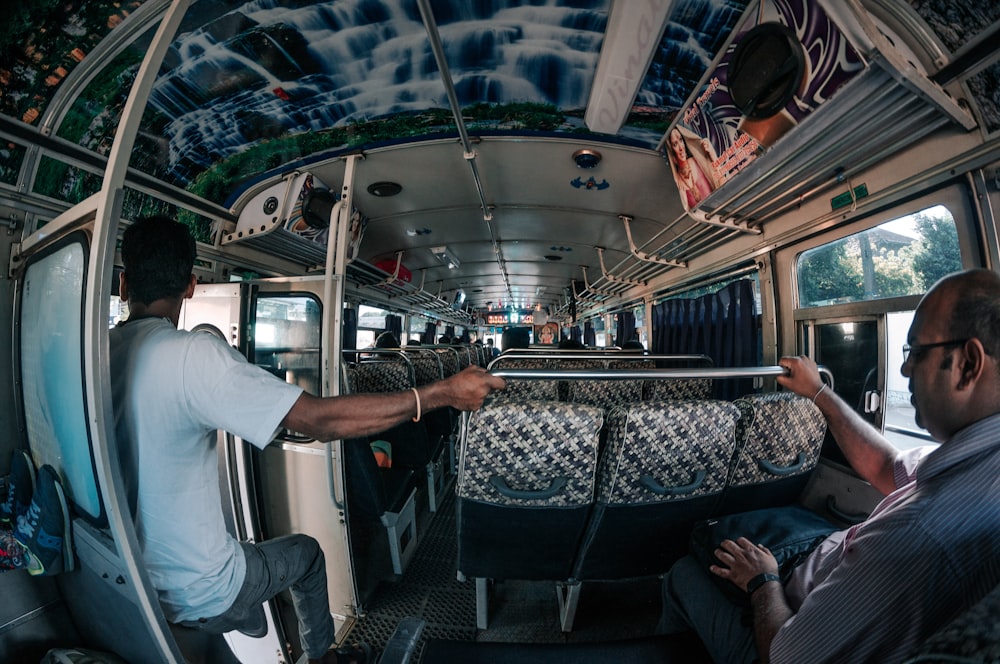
{"points": [[929, 551]]}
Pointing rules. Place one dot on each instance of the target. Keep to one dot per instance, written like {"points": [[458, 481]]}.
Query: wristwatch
{"points": [[759, 580]]}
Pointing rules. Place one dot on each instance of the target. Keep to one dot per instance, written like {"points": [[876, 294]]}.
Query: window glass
{"points": [[287, 332], [417, 326], [904, 256], [900, 426], [51, 371], [370, 318]]}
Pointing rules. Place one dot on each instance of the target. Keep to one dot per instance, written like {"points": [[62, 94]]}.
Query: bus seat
{"points": [[606, 394], [440, 423], [970, 638], [464, 356], [524, 490], [663, 468], [779, 437], [383, 495], [676, 388], [413, 444], [381, 376], [523, 389], [426, 369], [449, 361]]}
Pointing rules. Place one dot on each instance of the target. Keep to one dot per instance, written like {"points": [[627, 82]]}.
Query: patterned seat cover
{"points": [[380, 376], [524, 389], [777, 431], [677, 388], [671, 442], [529, 445], [605, 394]]}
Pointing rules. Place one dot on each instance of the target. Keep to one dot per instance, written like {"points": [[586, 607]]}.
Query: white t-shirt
{"points": [[172, 390]]}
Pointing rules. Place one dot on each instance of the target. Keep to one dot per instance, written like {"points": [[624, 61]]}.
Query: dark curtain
{"points": [[428, 336], [394, 324], [350, 328], [723, 325], [576, 334], [449, 331], [466, 337], [589, 335], [626, 328]]}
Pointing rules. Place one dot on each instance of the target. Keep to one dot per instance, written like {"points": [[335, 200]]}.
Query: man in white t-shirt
{"points": [[172, 390]]}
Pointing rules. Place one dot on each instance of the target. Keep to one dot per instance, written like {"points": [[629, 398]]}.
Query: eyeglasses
{"points": [[916, 350]]}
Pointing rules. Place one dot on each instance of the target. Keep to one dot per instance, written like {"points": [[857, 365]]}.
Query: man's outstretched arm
{"points": [[355, 415]]}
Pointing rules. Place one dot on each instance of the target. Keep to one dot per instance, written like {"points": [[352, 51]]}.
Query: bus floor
{"points": [[523, 612]]}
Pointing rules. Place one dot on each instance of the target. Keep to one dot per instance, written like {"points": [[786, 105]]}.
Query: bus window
{"points": [[896, 259], [52, 374], [287, 339], [900, 426], [904, 256], [852, 348], [371, 323]]}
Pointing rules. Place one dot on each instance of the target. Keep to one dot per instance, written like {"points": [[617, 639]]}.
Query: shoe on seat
{"points": [[20, 487], [44, 530]]}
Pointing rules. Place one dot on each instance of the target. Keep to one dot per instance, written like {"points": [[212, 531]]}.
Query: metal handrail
{"points": [[600, 354], [632, 374]]}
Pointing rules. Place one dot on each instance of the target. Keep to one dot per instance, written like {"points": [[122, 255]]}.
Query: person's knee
{"points": [[312, 547], [683, 577]]}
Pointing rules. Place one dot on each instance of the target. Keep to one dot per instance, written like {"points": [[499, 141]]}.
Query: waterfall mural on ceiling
{"points": [[285, 81]]}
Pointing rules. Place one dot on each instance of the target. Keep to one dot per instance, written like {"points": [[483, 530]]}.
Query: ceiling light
{"points": [[445, 255], [586, 158]]}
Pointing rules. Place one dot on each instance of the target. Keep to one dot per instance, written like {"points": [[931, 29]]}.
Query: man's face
{"points": [[930, 369]]}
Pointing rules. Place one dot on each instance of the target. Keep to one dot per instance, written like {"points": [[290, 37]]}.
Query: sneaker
{"points": [[44, 530], [20, 486]]}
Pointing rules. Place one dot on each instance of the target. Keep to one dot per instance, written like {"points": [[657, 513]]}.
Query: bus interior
{"points": [[643, 205]]}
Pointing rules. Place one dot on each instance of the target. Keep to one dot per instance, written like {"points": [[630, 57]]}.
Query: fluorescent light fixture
{"points": [[633, 35], [445, 255]]}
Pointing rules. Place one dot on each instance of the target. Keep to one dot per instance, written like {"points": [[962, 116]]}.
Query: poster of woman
{"points": [[691, 159]]}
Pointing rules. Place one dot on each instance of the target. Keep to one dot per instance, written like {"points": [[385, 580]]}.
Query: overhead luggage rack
{"points": [[291, 219], [884, 109]]}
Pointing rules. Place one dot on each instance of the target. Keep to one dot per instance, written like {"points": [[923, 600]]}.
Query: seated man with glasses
{"points": [[928, 552]]}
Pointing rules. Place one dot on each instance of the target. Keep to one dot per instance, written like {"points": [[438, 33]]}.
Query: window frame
{"points": [[81, 238]]}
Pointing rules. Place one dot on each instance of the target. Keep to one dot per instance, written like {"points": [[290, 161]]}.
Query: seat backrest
{"points": [[464, 356], [779, 439], [970, 638], [657, 389], [524, 489], [605, 394], [516, 453], [524, 389], [449, 361], [663, 451], [426, 368], [381, 376], [663, 468]]}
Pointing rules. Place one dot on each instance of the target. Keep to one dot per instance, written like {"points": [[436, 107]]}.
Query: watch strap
{"points": [[759, 580]]}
